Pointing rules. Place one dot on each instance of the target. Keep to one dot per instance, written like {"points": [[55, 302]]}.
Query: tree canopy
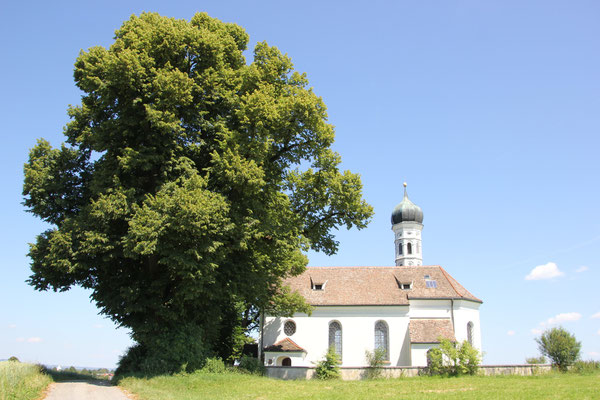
{"points": [[190, 184], [560, 346]]}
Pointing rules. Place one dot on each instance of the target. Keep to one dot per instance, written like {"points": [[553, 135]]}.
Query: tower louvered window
{"points": [[335, 337], [381, 338]]}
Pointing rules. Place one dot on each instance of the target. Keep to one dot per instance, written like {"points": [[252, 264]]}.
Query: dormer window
{"points": [[404, 285], [316, 285]]}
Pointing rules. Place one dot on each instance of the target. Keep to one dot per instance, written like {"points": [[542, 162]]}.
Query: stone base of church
{"points": [[356, 373]]}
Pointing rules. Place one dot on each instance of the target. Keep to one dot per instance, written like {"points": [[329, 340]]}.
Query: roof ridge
{"points": [[450, 281]]}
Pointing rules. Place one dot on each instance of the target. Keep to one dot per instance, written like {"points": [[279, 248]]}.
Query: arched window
{"points": [[335, 337], [286, 362], [409, 248], [400, 248], [381, 338], [470, 333]]}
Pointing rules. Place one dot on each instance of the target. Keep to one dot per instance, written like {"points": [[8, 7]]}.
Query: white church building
{"points": [[402, 309]]}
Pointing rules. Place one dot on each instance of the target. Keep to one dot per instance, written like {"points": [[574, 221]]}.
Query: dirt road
{"points": [[84, 391]]}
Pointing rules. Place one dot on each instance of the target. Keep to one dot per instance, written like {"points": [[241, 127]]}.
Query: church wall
{"points": [[430, 308], [277, 358], [358, 333], [358, 325], [465, 312], [418, 353]]}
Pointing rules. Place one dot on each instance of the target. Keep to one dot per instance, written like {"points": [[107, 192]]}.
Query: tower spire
{"points": [[407, 224]]}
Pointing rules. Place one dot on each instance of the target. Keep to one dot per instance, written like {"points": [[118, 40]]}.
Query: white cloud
{"points": [[594, 354], [598, 331], [12, 326], [564, 317], [583, 268], [546, 271], [510, 333], [536, 331], [34, 340], [20, 339], [596, 316]]}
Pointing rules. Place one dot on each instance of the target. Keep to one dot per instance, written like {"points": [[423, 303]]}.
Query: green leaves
{"points": [[559, 346], [453, 359], [183, 197], [329, 367], [56, 181]]}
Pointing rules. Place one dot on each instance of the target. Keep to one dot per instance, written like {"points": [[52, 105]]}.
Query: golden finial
{"points": [[405, 184]]}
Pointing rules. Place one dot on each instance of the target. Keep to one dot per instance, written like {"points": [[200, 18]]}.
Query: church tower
{"points": [[407, 224]]}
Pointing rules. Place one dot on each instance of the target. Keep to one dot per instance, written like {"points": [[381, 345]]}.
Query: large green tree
{"points": [[189, 186]]}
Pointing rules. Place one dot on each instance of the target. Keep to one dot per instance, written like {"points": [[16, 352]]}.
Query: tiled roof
{"points": [[375, 285], [429, 330], [286, 344]]}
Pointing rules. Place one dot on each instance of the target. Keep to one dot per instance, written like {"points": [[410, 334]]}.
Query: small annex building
{"points": [[403, 309]]}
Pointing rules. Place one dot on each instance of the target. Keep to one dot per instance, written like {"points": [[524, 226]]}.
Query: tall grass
{"points": [[20, 381]]}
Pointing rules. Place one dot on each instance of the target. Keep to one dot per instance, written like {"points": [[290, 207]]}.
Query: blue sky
{"points": [[489, 110]]}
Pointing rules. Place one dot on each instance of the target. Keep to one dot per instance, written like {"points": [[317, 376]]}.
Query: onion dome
{"points": [[407, 211]]}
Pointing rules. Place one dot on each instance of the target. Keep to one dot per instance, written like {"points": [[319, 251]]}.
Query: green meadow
{"points": [[20, 381], [239, 386]]}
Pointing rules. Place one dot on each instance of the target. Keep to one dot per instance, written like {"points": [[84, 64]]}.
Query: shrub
{"points": [[376, 359], [435, 362], [536, 360], [453, 359], [252, 365], [214, 366], [173, 350], [586, 367], [329, 368], [559, 346], [13, 358], [468, 359]]}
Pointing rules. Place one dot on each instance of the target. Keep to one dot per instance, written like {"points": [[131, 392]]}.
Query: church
{"points": [[403, 309]]}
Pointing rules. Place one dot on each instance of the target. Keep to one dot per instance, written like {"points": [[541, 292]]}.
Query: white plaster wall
{"points": [[358, 333], [297, 358], [430, 309], [419, 353], [465, 311]]}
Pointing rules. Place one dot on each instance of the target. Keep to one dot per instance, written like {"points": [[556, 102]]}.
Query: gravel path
{"points": [[84, 391]]}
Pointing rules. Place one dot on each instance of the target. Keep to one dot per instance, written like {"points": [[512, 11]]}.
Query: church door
{"points": [[286, 362]]}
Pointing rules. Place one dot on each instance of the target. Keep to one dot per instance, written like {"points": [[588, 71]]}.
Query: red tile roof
{"points": [[286, 344], [375, 285], [430, 330]]}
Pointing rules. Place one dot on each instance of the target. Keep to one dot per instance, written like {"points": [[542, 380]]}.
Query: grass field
{"points": [[20, 381], [238, 386]]}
